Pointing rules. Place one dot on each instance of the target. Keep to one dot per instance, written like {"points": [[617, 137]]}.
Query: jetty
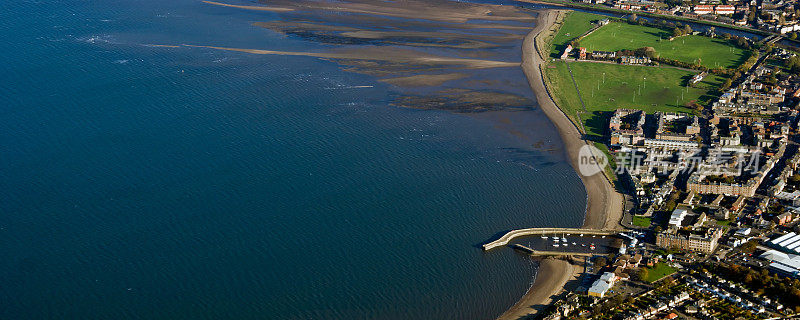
{"points": [[511, 235], [550, 253]]}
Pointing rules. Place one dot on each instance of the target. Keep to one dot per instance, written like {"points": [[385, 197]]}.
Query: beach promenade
{"points": [[604, 204]]}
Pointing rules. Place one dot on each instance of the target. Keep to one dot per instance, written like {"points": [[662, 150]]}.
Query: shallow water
{"points": [[153, 182]]}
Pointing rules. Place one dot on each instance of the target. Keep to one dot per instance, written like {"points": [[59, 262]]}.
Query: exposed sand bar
{"points": [[381, 54], [259, 8], [424, 80], [416, 9]]}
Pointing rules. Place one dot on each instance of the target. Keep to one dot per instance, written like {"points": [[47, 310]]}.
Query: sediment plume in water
{"points": [[435, 54]]}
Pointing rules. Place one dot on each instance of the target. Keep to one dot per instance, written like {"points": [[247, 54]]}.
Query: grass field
{"points": [[641, 221], [607, 87], [575, 25], [709, 52], [658, 271]]}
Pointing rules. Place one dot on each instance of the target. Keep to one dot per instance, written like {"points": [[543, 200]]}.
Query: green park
{"points": [[692, 49], [588, 91], [575, 25], [605, 87]]}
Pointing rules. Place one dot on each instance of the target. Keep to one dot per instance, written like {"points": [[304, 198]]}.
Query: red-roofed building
{"points": [[724, 9], [703, 9]]}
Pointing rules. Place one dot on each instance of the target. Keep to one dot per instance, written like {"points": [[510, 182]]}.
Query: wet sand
{"points": [[258, 8], [363, 44], [379, 54], [432, 53], [552, 276], [604, 203]]}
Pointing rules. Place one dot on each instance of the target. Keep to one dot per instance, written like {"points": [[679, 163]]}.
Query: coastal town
{"points": [[700, 129], [414, 159], [782, 17]]}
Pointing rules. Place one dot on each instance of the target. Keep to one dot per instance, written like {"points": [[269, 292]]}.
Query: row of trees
{"points": [[786, 290], [686, 30], [793, 64], [649, 52], [680, 29]]}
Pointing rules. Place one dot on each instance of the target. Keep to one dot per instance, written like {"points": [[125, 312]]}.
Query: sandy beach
{"points": [[411, 67], [552, 276], [604, 203]]}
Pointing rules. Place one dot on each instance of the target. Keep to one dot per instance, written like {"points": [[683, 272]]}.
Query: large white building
{"points": [[676, 219], [783, 263], [602, 285], [789, 242]]}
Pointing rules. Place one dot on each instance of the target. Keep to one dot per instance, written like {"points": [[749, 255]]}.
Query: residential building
{"points": [[704, 241]]}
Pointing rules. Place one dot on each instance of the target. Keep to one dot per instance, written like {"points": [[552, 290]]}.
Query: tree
{"points": [[793, 64], [750, 247], [698, 108], [650, 52], [601, 262], [793, 35], [643, 274], [687, 29], [677, 32], [772, 79], [741, 42], [727, 84], [633, 18]]}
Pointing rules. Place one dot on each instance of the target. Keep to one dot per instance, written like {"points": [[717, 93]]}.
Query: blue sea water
{"points": [[185, 183]]}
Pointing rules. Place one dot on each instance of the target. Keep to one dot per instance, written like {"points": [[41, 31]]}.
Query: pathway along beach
{"points": [[604, 203]]}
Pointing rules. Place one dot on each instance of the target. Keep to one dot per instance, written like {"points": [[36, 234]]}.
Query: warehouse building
{"points": [[789, 243]]}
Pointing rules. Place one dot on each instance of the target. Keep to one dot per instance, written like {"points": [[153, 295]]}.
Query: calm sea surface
{"points": [[186, 183]]}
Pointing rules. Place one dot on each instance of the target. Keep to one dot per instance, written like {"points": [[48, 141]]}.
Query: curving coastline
{"points": [[603, 202], [551, 277]]}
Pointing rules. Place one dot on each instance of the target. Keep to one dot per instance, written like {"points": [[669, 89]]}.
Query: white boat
{"points": [[544, 237], [555, 244], [563, 239], [574, 244], [581, 234], [556, 239], [603, 237]]}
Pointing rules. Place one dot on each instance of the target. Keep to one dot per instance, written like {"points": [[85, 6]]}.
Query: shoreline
{"points": [[603, 202], [551, 278]]}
